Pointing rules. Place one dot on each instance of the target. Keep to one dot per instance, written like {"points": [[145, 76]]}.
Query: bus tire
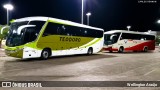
{"points": [[121, 49], [46, 53], [145, 49], [90, 51]]}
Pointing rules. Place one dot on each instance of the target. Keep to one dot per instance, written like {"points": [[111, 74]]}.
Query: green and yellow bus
{"points": [[34, 37]]}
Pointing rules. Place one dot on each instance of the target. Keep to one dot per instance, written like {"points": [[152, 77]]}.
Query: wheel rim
{"points": [[145, 49], [45, 54], [121, 49], [89, 51]]}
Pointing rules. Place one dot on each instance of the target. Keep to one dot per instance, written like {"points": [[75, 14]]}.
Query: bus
{"points": [[122, 40], [34, 37]]}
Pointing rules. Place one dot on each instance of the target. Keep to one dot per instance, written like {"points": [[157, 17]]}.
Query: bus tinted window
{"points": [[59, 29], [111, 38], [137, 36], [129, 36], [51, 29], [39, 25], [148, 37], [84, 32]]}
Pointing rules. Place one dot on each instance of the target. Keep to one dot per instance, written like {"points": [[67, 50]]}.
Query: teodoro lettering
{"points": [[70, 39]]}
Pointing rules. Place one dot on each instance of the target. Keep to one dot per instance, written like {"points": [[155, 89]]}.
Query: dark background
{"points": [[106, 14]]}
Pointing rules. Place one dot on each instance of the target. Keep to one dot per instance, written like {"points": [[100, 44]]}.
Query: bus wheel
{"points": [[145, 49], [90, 51], [45, 54], [121, 49]]}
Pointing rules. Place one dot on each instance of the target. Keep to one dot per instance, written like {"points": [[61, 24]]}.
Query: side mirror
{"points": [[22, 27], [111, 37]]}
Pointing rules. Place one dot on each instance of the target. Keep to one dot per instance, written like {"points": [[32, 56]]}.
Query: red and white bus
{"points": [[121, 40]]}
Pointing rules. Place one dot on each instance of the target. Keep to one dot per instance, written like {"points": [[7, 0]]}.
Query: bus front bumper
{"points": [[14, 53], [109, 49]]}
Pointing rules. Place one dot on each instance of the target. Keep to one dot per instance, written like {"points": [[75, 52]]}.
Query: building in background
{"points": [[157, 33]]}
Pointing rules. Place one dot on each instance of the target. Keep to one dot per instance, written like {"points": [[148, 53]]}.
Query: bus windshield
{"points": [[110, 39], [21, 33]]}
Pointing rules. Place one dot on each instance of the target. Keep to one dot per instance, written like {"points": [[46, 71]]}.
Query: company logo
{"points": [[6, 84], [20, 84], [70, 39]]}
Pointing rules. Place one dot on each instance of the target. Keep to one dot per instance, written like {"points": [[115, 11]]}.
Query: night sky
{"points": [[106, 14]]}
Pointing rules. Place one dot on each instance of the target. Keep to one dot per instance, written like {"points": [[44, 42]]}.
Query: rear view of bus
{"points": [[121, 40], [35, 37]]}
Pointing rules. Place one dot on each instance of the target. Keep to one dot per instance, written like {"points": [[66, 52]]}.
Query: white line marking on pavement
{"points": [[149, 72]]}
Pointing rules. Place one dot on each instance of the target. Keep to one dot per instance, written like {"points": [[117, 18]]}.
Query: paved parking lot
{"points": [[130, 66]]}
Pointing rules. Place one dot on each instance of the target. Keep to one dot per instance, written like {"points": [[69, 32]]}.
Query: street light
{"points": [[88, 14], [82, 11], [128, 28], [8, 7], [158, 21]]}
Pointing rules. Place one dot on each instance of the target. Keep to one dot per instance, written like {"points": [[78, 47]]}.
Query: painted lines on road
{"points": [[149, 72]]}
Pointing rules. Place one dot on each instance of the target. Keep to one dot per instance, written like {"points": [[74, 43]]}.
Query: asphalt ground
{"points": [[104, 66]]}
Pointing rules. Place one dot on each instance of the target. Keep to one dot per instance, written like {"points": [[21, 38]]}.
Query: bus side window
{"points": [[51, 29], [58, 30], [63, 30]]}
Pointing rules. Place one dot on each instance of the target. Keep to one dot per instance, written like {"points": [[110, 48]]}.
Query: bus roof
{"points": [[124, 31], [66, 22]]}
